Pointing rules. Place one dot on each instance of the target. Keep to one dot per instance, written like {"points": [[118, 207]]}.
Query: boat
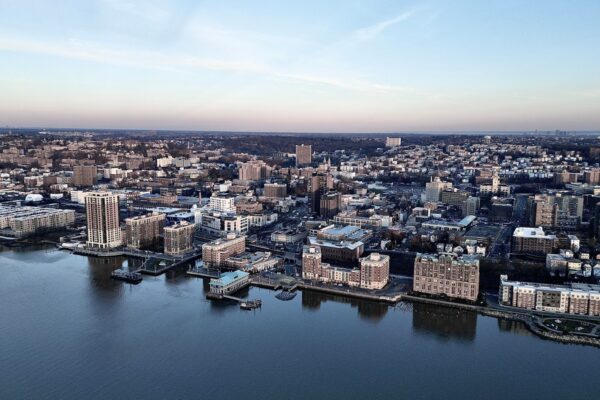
{"points": [[285, 295], [126, 276], [250, 304]]}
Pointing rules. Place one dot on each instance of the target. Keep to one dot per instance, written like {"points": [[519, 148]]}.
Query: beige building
{"points": [[24, 221], [447, 274], [179, 238], [255, 170], [303, 154], [102, 214], [215, 253], [84, 175], [311, 262], [144, 231], [374, 271], [573, 298]]}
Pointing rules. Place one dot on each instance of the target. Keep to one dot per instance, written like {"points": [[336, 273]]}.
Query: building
{"points": [[374, 271], [102, 214], [433, 189], [220, 224], [330, 204], [275, 190], [303, 154], [560, 209], [253, 262], [340, 243], [532, 240], [370, 221], [454, 197], [222, 203], [229, 282], [179, 238], [393, 141], [318, 184], [566, 177], [144, 231], [85, 175], [592, 176], [471, 206], [215, 253], [574, 298], [447, 274], [255, 170], [288, 236], [25, 221]]}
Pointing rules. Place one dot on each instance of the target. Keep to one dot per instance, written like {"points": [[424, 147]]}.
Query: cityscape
{"points": [[299, 236]]}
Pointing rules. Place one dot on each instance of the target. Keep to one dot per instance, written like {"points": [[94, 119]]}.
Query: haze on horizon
{"points": [[310, 66]]}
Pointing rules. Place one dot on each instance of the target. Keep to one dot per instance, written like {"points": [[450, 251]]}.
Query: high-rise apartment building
{"points": [[447, 274], [311, 262], [84, 175], [179, 238], [330, 204], [433, 189], [303, 154], [102, 214], [317, 184], [592, 176], [255, 170], [144, 231]]}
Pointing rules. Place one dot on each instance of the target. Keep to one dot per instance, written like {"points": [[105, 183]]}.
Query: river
{"points": [[67, 331]]}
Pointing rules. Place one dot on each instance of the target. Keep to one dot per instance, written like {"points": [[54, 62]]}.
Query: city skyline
{"points": [[335, 67]]}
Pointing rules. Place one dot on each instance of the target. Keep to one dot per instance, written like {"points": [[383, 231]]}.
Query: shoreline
{"points": [[528, 317]]}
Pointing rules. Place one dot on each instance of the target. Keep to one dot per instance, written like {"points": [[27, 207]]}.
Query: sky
{"points": [[301, 66]]}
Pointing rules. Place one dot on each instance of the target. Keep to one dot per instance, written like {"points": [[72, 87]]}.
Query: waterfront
{"points": [[69, 331]]}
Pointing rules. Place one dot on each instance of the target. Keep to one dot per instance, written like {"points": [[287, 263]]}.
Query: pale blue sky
{"points": [[314, 66]]}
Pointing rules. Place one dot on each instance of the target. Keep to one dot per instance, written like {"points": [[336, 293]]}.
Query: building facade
{"points": [[215, 253], [102, 215], [179, 238], [144, 231], [447, 274]]}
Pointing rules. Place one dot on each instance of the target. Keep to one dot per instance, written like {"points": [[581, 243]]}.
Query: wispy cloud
{"points": [[370, 32], [86, 51]]}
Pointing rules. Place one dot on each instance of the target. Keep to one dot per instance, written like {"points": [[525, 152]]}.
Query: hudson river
{"points": [[67, 331]]}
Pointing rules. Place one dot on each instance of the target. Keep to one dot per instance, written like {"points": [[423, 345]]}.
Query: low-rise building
{"points": [[532, 240], [229, 282], [574, 298]]}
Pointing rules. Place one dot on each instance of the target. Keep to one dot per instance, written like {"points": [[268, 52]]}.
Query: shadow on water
{"points": [[367, 310], [444, 323]]}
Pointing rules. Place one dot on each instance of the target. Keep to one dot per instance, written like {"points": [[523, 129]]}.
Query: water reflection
{"points": [[367, 310], [444, 323], [517, 327], [99, 270]]}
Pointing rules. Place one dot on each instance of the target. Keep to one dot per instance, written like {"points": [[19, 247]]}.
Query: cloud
{"points": [[370, 32], [92, 52]]}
